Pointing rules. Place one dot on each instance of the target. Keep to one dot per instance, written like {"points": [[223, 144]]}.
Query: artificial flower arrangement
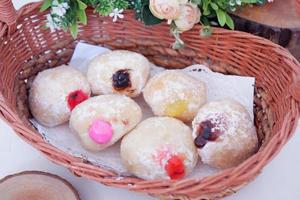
{"points": [[182, 15]]}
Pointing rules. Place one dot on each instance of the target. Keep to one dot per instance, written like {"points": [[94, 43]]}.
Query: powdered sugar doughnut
{"points": [[120, 71], [224, 134], [175, 94], [55, 92], [159, 148], [103, 120]]}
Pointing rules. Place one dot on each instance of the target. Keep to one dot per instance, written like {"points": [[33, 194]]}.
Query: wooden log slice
{"points": [[34, 185], [278, 21]]}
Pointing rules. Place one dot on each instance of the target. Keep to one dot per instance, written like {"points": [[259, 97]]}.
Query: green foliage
{"points": [[198, 2], [46, 5], [229, 21], [74, 30], [120, 4], [137, 6], [219, 9], [105, 7], [221, 17], [74, 13]]}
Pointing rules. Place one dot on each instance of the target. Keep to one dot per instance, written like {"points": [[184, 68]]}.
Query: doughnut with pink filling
{"points": [[103, 120]]}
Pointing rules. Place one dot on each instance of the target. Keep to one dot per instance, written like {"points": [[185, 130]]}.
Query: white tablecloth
{"points": [[280, 179]]}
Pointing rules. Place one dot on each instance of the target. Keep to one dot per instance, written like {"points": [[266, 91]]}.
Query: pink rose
{"points": [[189, 16], [165, 9]]}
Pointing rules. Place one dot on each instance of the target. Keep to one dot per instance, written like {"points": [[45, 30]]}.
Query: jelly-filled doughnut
{"points": [[55, 92], [159, 148], [175, 94], [224, 134], [118, 72], [103, 120]]}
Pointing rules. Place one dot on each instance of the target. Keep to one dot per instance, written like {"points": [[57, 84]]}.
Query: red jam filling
{"points": [[76, 97], [175, 168], [207, 132]]}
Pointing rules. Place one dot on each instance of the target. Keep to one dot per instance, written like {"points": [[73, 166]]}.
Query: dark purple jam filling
{"points": [[121, 80], [206, 133]]}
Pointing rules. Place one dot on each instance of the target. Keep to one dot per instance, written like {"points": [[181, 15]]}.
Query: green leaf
{"points": [[221, 17], [82, 6], [74, 30], [197, 2], [120, 4], [137, 6], [205, 21], [250, 1], [205, 5], [148, 18], [222, 4], [206, 12], [214, 6], [82, 16], [104, 8], [229, 22], [47, 4]]}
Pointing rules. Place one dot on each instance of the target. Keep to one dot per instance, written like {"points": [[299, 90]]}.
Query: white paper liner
{"points": [[219, 87]]}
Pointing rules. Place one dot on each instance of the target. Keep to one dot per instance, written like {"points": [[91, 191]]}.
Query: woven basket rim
{"points": [[43, 146]]}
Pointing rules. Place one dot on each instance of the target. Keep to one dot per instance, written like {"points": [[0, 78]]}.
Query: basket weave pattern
{"points": [[26, 48]]}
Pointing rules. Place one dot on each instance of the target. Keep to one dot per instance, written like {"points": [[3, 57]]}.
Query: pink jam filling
{"points": [[101, 131]]}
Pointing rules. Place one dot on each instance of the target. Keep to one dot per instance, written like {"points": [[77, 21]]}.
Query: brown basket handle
{"points": [[8, 16]]}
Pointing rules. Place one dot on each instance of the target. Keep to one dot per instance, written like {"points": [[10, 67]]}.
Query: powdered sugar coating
{"points": [[146, 149], [171, 86], [103, 67], [238, 139], [120, 111], [49, 91]]}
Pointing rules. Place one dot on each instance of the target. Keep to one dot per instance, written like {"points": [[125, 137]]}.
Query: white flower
{"points": [[55, 3], [59, 9], [116, 13], [65, 5], [51, 23]]}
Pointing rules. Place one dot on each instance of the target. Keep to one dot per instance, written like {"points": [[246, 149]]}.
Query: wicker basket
{"points": [[26, 48]]}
